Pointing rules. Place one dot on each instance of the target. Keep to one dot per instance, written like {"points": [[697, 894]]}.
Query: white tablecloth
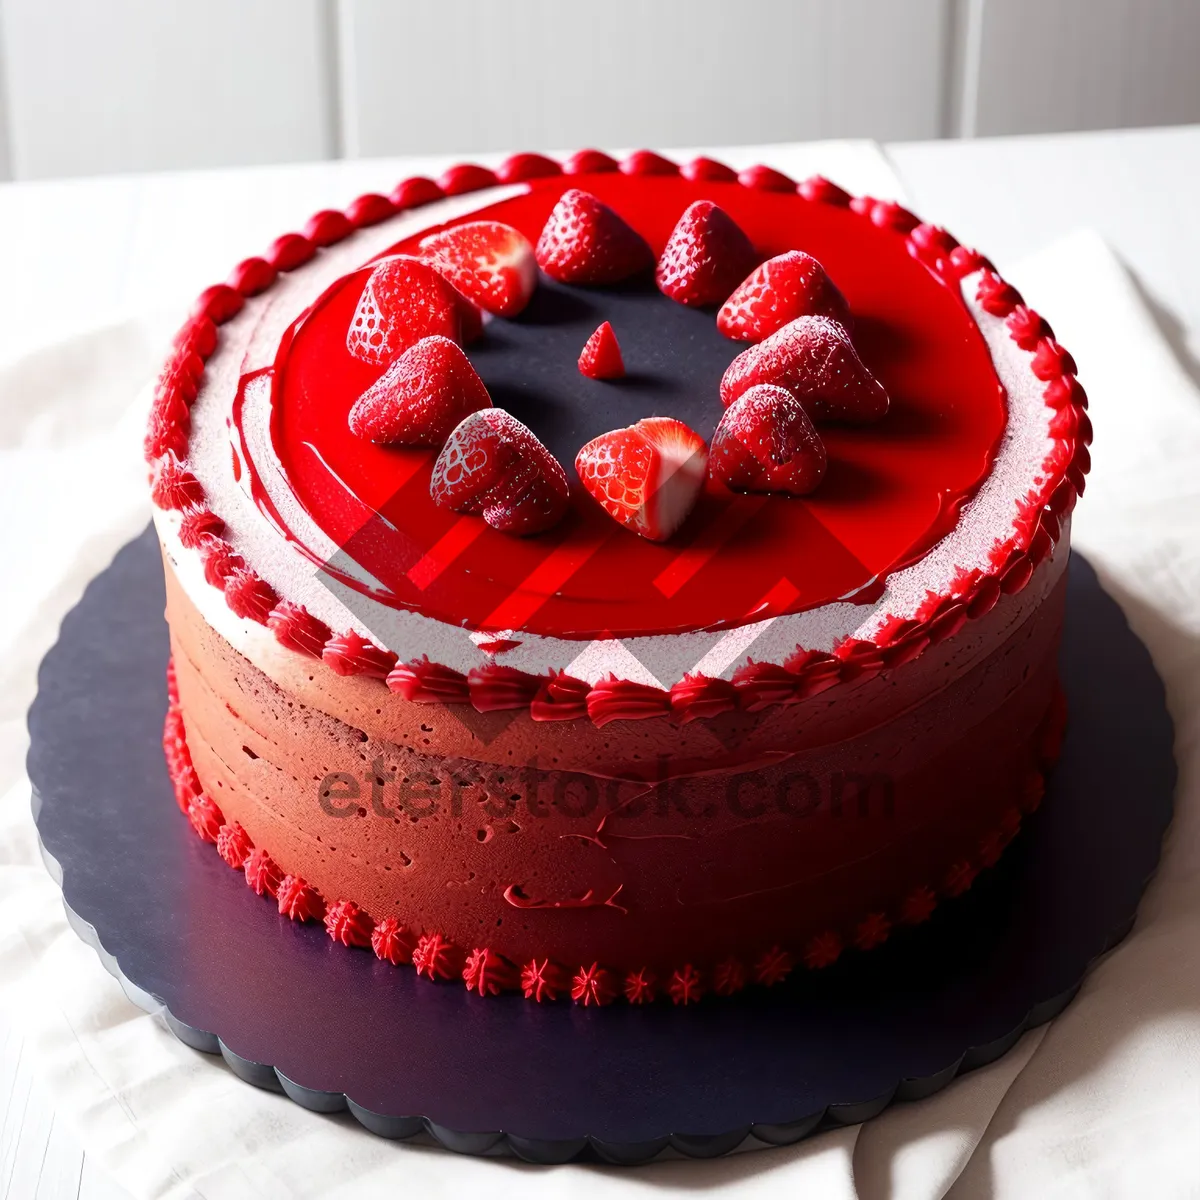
{"points": [[1106, 1100]]}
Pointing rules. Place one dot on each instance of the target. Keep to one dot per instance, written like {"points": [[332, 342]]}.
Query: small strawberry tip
{"points": [[601, 356]]}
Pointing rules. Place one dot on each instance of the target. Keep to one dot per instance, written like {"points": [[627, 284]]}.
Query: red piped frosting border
{"points": [[557, 697], [487, 973]]}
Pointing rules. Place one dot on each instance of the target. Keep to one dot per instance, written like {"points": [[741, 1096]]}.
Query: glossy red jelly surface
{"points": [[891, 492]]}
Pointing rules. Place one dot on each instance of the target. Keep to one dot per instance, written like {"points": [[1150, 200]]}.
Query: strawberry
{"points": [[493, 465], [813, 358], [420, 398], [705, 257], [647, 476], [403, 301], [601, 357], [584, 241], [766, 443], [488, 262], [788, 286]]}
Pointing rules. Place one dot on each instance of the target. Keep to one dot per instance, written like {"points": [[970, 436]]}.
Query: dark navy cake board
{"points": [[334, 1028]]}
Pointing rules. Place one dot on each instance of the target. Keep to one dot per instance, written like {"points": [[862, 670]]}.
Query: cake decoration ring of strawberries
{"points": [[417, 311]]}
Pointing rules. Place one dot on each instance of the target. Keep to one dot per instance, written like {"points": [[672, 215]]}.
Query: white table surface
{"points": [[81, 254]]}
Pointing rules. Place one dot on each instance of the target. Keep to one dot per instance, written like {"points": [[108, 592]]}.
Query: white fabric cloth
{"points": [[1106, 1100]]}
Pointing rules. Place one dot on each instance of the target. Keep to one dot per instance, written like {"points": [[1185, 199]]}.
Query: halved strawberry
{"points": [[494, 466], [601, 357], [584, 241], [785, 287], [813, 358], [404, 300], [705, 258], [489, 262], [766, 443], [421, 397], [646, 476]]}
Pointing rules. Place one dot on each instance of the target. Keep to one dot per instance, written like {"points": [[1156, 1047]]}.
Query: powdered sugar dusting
{"points": [[990, 515]]}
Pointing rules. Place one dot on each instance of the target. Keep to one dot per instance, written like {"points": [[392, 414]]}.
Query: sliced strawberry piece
{"points": [[584, 241], [813, 358], [647, 476], [766, 443], [489, 262], [420, 398], [601, 357], [404, 300], [494, 466], [785, 287], [705, 258]]}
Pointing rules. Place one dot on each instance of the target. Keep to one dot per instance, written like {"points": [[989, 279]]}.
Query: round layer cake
{"points": [[670, 746]]}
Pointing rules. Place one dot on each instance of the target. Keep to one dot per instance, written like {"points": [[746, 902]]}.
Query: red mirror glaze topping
{"points": [[891, 491]]}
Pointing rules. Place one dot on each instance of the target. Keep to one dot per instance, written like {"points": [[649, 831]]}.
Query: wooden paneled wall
{"points": [[96, 86]]}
